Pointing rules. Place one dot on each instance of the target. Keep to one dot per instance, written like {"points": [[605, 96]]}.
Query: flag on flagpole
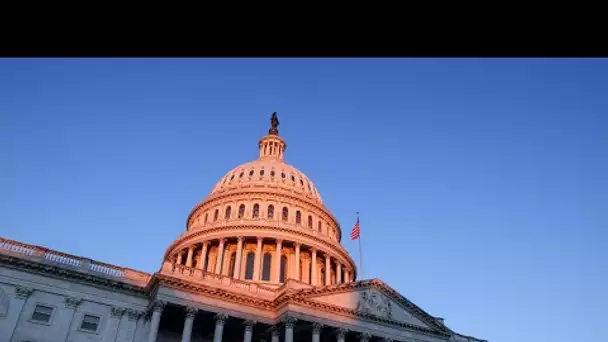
{"points": [[354, 234]]}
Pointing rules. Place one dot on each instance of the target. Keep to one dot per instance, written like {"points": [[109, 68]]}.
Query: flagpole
{"points": [[360, 253]]}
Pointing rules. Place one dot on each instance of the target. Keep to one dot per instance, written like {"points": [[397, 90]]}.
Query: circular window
{"points": [[272, 173], [282, 174], [250, 173], [231, 178], [241, 175], [261, 172]]}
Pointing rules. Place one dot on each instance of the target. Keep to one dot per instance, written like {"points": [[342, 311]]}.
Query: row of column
{"points": [[257, 269], [220, 320]]}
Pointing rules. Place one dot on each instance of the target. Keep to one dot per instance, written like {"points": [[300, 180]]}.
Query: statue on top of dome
{"points": [[274, 124]]}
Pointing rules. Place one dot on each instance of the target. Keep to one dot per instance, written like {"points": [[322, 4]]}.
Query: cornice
{"points": [[62, 273]]}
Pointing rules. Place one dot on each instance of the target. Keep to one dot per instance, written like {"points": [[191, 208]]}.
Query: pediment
{"points": [[371, 301]]}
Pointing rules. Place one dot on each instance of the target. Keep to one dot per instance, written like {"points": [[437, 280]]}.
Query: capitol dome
{"points": [[263, 222]]}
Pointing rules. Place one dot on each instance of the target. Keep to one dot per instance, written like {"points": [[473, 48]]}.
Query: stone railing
{"points": [[45, 255], [199, 275]]}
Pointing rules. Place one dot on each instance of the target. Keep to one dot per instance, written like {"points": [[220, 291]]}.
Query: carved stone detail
{"points": [[23, 292], [316, 327], [289, 321], [220, 318], [72, 303], [191, 312], [158, 305], [373, 303], [117, 312], [342, 333], [133, 315], [365, 337], [249, 324]]}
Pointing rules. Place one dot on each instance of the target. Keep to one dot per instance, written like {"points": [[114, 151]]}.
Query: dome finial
{"points": [[274, 124]]}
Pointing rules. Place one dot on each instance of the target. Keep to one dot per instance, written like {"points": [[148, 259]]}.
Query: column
{"points": [[70, 307], [248, 330], [189, 258], [289, 322], [203, 256], [157, 309], [14, 312], [220, 320], [297, 266], [274, 335], [338, 273], [347, 276], [327, 270], [365, 337], [313, 267], [258, 260], [127, 326], [239, 255], [143, 322], [277, 262], [179, 257], [220, 257], [316, 331], [341, 335], [187, 332], [112, 325]]}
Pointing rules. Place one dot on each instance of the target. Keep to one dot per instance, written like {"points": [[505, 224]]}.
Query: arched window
{"points": [[285, 214], [231, 265], [215, 216], [266, 267], [320, 225], [228, 212], [241, 210], [323, 276], [298, 217], [206, 216], [301, 270], [283, 269], [256, 210], [270, 211], [309, 221], [206, 263], [249, 265]]}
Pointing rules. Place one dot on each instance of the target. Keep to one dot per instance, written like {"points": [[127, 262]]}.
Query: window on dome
{"points": [[231, 178], [301, 182], [309, 221], [256, 210], [206, 216], [228, 212], [216, 214], [249, 266], [231, 265], [298, 217], [282, 174], [250, 173], [309, 188], [270, 211], [285, 214], [241, 210], [272, 173], [241, 175], [261, 172], [266, 267], [283, 269], [320, 226], [293, 179]]}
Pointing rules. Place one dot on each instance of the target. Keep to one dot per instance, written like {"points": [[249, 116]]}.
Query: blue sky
{"points": [[481, 183]]}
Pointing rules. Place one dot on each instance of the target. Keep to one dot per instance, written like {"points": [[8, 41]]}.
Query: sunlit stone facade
{"points": [[260, 260]]}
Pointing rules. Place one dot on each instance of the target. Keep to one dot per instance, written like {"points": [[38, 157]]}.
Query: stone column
{"points": [[13, 314], [157, 309], [141, 327], [220, 320], [341, 334], [179, 257], [297, 266], [313, 267], [113, 324], [248, 330], [277, 262], [289, 322], [316, 331], [187, 332], [239, 255], [346, 276], [220, 257], [203, 256], [365, 337], [327, 270], [274, 335], [189, 258], [127, 326], [338, 273], [258, 260], [70, 308]]}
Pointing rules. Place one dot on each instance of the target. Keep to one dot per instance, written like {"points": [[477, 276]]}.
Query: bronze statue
{"points": [[274, 124]]}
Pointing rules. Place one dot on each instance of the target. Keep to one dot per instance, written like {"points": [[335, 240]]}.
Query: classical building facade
{"points": [[260, 260]]}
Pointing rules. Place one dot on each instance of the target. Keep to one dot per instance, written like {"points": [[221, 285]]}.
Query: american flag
{"points": [[354, 234]]}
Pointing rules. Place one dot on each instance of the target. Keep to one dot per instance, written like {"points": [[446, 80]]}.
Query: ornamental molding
{"points": [[197, 237], [23, 292], [72, 303], [58, 272]]}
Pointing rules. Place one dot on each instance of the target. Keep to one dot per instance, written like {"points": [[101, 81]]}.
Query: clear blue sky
{"points": [[481, 183]]}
